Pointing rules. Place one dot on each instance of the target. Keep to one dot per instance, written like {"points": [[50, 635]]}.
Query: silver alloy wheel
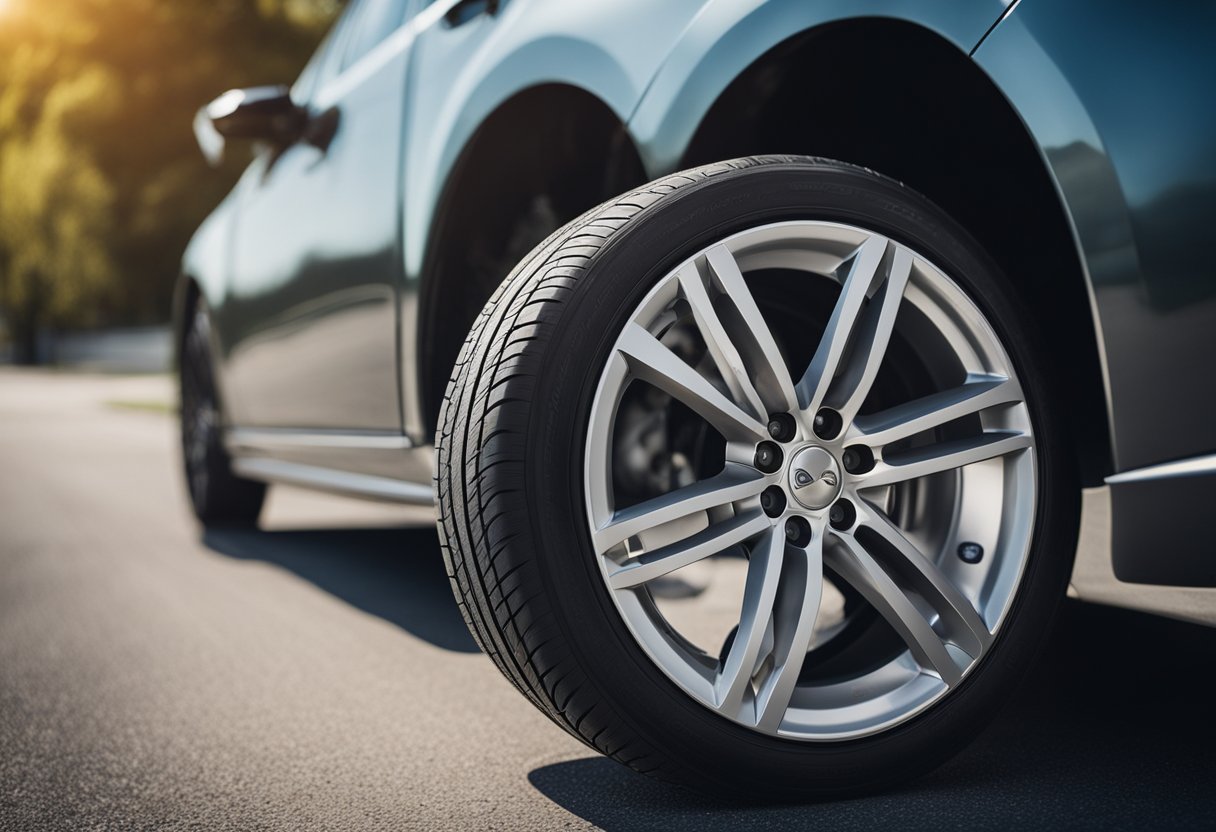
{"points": [[925, 509]]}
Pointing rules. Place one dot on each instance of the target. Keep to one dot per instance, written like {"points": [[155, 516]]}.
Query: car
{"points": [[776, 367]]}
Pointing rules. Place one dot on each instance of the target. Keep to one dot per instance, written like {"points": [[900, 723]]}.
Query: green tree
{"points": [[55, 216], [100, 182]]}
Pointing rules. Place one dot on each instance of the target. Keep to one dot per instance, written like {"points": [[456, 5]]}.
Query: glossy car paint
{"points": [[311, 324], [1108, 90], [464, 73], [448, 81], [314, 284]]}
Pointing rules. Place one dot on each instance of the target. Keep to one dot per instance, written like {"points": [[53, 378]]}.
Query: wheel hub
{"points": [[814, 478]]}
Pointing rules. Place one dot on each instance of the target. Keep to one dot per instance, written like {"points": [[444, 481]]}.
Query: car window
{"points": [[374, 21]]}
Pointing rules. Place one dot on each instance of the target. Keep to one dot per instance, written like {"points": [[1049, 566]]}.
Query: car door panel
{"points": [[316, 265]]}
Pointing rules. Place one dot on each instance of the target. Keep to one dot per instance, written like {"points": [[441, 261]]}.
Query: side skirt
{"points": [[341, 482], [379, 466]]}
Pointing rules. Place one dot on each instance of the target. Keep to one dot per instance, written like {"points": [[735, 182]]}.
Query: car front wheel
{"points": [[749, 480]]}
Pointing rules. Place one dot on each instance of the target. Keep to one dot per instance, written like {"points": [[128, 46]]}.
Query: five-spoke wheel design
{"points": [[830, 421]]}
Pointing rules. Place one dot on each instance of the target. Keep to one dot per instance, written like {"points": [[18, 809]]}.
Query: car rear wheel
{"points": [[748, 480], [218, 497]]}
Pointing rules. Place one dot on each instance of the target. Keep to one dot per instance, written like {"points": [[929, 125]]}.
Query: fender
{"points": [[726, 38], [597, 49]]}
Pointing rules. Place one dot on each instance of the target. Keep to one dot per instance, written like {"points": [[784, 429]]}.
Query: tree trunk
{"points": [[25, 325]]}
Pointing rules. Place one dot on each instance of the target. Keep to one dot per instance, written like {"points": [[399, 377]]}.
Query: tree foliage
{"points": [[100, 180]]}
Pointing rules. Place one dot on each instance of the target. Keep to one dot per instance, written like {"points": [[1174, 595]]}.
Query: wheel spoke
{"points": [[855, 565], [865, 268], [944, 456], [721, 348], [756, 344], [736, 482], [977, 393], [759, 594], [651, 361], [871, 336], [963, 625], [794, 612], [710, 541]]}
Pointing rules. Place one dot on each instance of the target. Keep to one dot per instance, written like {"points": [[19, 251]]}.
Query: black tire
{"points": [[219, 497], [510, 487]]}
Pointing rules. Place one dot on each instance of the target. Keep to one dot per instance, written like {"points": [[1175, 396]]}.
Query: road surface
{"points": [[316, 674]]}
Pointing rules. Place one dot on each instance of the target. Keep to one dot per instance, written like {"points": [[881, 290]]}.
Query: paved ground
{"points": [[316, 675]]}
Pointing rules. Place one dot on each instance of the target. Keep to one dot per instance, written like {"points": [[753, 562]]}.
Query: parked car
{"points": [[768, 361]]}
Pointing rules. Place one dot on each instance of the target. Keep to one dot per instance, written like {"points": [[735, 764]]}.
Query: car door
{"points": [[311, 318]]}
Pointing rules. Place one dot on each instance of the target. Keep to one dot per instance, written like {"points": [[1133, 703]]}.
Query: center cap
{"points": [[814, 477]]}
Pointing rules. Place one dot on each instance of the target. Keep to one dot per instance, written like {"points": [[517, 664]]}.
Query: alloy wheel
{"points": [[816, 489]]}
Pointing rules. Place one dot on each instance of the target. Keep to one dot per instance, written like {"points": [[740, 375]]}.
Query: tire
{"points": [[219, 497], [516, 480]]}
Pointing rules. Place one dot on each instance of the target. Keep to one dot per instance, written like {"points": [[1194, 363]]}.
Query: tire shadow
{"points": [[1114, 729], [394, 573]]}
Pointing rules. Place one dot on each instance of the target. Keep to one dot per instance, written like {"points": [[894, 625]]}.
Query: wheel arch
{"points": [[543, 156], [910, 103], [479, 84]]}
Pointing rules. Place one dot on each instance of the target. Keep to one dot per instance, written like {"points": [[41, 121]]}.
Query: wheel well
{"points": [[898, 99], [542, 158]]}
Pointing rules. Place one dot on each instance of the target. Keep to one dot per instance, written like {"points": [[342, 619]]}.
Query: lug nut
{"points": [[772, 500], [842, 515], [781, 426], [798, 531], [827, 423], [768, 457], [857, 460]]}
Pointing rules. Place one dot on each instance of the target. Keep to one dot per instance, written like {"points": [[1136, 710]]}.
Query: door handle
{"points": [[465, 10]]}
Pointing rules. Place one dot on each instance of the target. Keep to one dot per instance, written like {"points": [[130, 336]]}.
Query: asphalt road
{"points": [[316, 675]]}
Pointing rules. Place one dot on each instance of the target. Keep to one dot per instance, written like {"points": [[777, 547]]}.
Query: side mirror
{"points": [[258, 113]]}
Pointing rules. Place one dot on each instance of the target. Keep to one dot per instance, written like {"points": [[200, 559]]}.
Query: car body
{"points": [[1076, 143]]}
